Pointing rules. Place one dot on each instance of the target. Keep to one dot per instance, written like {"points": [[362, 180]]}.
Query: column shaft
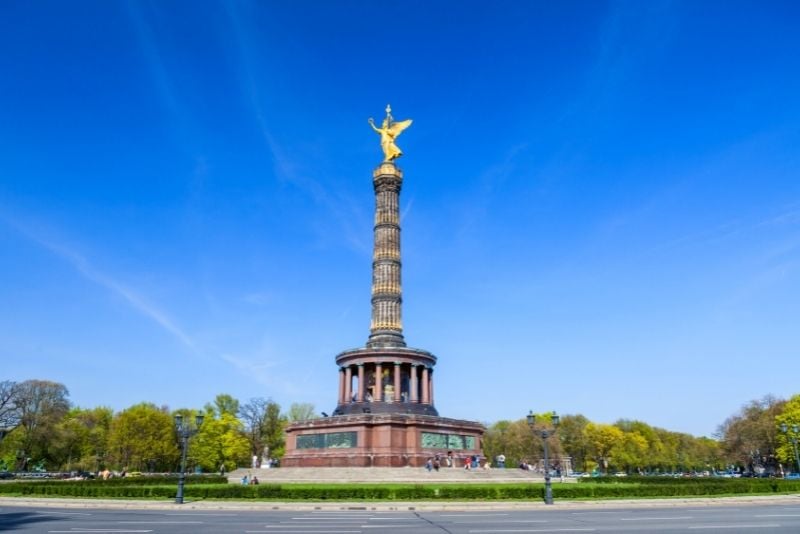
{"points": [[397, 397], [378, 396], [386, 328], [348, 384], [414, 386], [425, 391], [341, 386], [360, 397]]}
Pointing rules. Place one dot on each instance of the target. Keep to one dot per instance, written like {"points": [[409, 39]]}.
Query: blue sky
{"points": [[601, 206]]}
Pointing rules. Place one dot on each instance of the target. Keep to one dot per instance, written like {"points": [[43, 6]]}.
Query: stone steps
{"points": [[414, 475]]}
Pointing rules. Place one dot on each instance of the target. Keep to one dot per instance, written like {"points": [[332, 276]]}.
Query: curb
{"points": [[427, 506]]}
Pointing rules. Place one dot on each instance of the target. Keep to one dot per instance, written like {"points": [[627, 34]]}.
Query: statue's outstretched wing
{"points": [[397, 127]]}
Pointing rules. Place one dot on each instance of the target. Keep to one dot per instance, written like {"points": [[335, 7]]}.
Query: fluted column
{"points": [[386, 329], [414, 386], [430, 385], [348, 384], [425, 391], [360, 397], [397, 397], [341, 386], [378, 382]]}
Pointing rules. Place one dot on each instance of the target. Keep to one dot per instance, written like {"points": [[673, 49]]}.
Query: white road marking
{"points": [[303, 531], [159, 522], [327, 518], [60, 513], [469, 515], [673, 518], [395, 525], [541, 530], [591, 513], [313, 525], [500, 522], [740, 525], [777, 515], [202, 514], [352, 524], [95, 530]]}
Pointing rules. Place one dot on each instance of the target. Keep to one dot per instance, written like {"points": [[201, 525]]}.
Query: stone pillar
{"points": [[425, 386], [378, 396], [414, 387], [348, 384], [430, 388], [360, 397], [397, 397], [386, 329], [341, 386]]}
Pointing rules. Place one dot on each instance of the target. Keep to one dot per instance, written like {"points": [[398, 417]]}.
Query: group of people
{"points": [[470, 462], [247, 481]]}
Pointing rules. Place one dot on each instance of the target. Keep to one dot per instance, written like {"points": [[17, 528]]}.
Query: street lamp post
{"points": [[793, 438], [545, 433], [185, 431]]}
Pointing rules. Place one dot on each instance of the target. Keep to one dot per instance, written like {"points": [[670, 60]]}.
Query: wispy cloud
{"points": [[266, 372], [286, 167], [85, 268]]}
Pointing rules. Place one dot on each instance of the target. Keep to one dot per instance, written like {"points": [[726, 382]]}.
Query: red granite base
{"points": [[382, 440]]}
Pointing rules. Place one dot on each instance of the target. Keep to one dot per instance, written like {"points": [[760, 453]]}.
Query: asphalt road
{"points": [[688, 518]]}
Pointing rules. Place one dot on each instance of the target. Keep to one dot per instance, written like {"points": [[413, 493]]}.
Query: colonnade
{"points": [[386, 382]]}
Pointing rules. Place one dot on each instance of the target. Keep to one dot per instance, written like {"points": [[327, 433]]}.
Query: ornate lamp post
{"points": [[185, 431], [545, 433], [795, 430]]}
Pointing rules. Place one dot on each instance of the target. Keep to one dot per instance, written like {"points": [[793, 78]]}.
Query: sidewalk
{"points": [[428, 506]]}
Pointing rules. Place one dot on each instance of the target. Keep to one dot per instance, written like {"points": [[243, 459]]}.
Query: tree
{"points": [[224, 403], [274, 426], [573, 439], [9, 409], [604, 443], [512, 439], [220, 441], [264, 425], [790, 416], [750, 438], [141, 436], [41, 404], [81, 438], [301, 411]]}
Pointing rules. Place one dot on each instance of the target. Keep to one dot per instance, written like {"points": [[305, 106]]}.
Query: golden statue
{"points": [[389, 131]]}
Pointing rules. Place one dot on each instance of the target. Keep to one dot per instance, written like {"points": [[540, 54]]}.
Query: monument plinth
{"points": [[385, 414]]}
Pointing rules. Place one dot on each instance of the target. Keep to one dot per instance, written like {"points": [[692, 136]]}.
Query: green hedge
{"points": [[400, 492], [155, 480], [667, 480]]}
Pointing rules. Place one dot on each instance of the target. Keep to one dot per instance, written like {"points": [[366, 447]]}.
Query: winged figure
{"points": [[389, 131]]}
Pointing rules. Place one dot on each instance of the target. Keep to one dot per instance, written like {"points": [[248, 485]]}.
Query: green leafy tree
{"points": [[81, 438], [301, 411], [274, 425], [790, 417], [143, 436], [41, 405], [604, 443], [264, 426], [573, 439], [224, 403], [750, 438], [221, 441]]}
